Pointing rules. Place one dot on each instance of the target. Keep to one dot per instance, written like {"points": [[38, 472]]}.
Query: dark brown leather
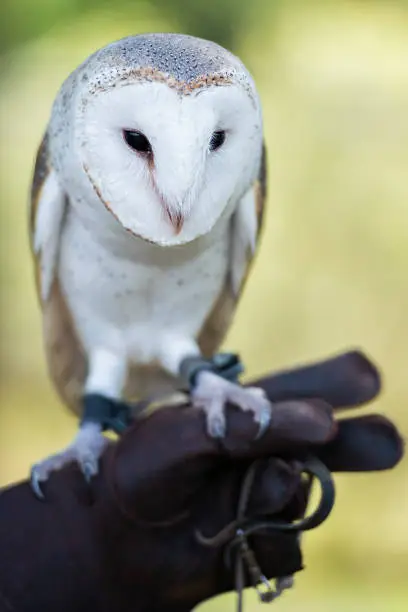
{"points": [[95, 548]]}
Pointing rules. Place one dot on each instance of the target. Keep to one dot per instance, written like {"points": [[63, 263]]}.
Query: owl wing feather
{"points": [[64, 353], [246, 226]]}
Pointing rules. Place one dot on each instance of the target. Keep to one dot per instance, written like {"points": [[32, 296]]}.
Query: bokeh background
{"points": [[331, 274]]}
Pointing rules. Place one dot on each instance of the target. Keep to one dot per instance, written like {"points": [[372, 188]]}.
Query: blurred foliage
{"points": [[224, 22], [331, 274]]}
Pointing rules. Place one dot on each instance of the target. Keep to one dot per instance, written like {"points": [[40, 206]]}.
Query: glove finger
{"points": [[293, 424], [344, 381], [364, 444], [162, 460], [276, 482]]}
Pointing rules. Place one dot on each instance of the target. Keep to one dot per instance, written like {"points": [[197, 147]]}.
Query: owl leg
{"points": [[209, 389], [105, 382]]}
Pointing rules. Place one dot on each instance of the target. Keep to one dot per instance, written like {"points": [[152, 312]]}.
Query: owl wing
{"points": [[48, 203], [64, 353], [246, 225]]}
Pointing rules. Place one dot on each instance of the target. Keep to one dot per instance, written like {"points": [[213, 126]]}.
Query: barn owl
{"points": [[146, 208]]}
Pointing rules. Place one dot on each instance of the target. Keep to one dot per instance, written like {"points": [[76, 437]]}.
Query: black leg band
{"points": [[226, 365], [108, 413]]}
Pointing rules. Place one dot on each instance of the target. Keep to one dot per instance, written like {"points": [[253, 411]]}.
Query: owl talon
{"points": [[264, 421], [216, 425], [35, 485], [89, 469]]}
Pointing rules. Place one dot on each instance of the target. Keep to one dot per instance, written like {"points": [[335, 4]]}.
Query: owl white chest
{"points": [[125, 295]]}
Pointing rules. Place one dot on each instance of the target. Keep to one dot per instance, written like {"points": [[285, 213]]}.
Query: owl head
{"points": [[162, 131]]}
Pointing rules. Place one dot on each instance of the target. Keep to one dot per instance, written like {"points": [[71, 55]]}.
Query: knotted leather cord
{"points": [[236, 533]]}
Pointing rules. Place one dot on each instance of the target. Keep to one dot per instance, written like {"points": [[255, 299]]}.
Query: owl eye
{"points": [[217, 140], [137, 141]]}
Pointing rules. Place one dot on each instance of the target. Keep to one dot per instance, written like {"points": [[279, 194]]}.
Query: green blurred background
{"points": [[333, 77]]}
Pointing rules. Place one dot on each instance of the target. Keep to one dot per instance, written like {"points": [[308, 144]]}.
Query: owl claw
{"points": [[212, 393], [85, 450], [35, 483], [264, 421], [89, 469], [216, 425]]}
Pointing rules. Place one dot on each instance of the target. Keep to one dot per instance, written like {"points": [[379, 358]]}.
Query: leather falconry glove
{"points": [[159, 527]]}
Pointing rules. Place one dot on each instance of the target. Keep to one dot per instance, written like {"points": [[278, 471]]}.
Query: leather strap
{"points": [[110, 414], [235, 535], [226, 365]]}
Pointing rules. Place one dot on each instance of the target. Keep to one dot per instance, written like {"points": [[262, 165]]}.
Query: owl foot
{"points": [[212, 393], [85, 450]]}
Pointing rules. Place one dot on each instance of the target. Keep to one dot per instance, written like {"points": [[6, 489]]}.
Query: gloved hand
{"points": [[135, 539]]}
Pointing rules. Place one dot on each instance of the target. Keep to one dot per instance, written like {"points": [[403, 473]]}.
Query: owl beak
{"points": [[176, 219], [173, 214]]}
